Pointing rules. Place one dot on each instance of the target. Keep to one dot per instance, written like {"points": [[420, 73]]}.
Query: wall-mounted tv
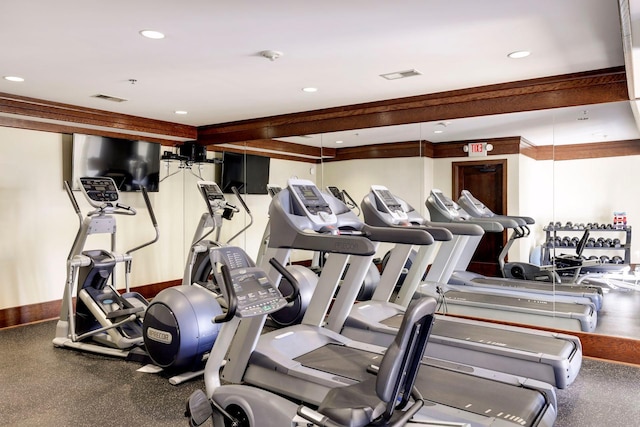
{"points": [[130, 163], [247, 172]]}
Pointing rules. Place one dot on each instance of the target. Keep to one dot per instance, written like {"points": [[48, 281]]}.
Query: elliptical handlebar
{"points": [[242, 202], [73, 199], [152, 215], [246, 208]]}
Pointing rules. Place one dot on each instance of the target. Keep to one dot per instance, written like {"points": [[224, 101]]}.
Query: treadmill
{"points": [[553, 311], [550, 357], [477, 209], [305, 361]]}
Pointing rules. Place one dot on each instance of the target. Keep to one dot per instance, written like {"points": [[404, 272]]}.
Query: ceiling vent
{"points": [[108, 98], [401, 74]]}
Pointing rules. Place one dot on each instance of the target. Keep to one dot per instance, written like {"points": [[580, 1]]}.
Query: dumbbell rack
{"points": [[552, 231]]}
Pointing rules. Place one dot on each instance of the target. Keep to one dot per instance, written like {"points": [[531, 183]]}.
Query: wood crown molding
{"points": [[65, 113], [591, 87], [598, 86]]}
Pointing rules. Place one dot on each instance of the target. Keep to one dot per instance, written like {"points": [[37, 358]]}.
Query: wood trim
{"points": [[596, 150], [51, 309], [378, 151], [591, 87], [11, 122], [48, 110], [241, 150], [289, 147], [612, 348], [455, 174], [501, 146]]}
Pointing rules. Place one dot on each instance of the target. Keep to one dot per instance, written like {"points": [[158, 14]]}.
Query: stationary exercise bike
{"points": [[387, 397], [103, 320]]}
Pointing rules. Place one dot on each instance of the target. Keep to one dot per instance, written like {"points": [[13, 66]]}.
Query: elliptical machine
{"points": [[103, 320], [177, 329]]}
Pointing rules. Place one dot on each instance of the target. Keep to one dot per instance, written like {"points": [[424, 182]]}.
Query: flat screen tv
{"points": [[247, 172], [130, 163]]}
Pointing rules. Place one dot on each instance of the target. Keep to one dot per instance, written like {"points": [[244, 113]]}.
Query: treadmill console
{"points": [[273, 190], [212, 193], [388, 203], [311, 201], [478, 207], [335, 192], [100, 191], [447, 205]]}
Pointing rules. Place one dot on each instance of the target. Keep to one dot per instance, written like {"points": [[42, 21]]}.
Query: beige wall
{"points": [[38, 223]]}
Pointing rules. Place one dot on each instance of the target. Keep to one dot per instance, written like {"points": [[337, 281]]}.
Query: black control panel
{"points": [[211, 191], [99, 190], [254, 293]]}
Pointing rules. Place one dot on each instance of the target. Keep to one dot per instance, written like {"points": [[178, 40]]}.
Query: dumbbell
{"points": [[591, 242], [604, 259], [566, 241], [608, 243], [574, 241], [592, 257], [569, 224], [616, 243], [617, 260], [599, 242]]}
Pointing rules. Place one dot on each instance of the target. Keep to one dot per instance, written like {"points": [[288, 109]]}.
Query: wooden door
{"points": [[487, 181]]}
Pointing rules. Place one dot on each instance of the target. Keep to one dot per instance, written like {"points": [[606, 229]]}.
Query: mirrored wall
{"points": [[571, 167]]}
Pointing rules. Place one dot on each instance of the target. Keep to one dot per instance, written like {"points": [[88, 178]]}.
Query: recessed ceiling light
{"points": [[180, 112], [439, 128], [339, 142], [519, 54], [14, 78], [309, 89], [151, 34]]}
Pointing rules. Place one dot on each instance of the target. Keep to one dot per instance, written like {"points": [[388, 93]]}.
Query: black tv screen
{"points": [[247, 172], [130, 163]]}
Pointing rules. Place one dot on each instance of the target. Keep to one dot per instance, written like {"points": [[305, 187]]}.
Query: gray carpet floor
{"points": [[43, 385]]}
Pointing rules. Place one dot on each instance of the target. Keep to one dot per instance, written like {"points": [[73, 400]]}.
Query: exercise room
{"points": [[354, 214]]}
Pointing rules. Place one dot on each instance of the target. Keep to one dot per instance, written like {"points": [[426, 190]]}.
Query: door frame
{"points": [[455, 180]]}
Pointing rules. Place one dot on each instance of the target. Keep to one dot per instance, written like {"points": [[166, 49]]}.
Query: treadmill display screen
{"points": [[389, 200], [310, 197], [308, 193]]}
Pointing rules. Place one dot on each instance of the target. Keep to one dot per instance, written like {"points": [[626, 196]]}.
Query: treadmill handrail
{"points": [[410, 236], [460, 229]]}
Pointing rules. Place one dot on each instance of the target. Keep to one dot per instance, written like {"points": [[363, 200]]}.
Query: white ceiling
{"points": [[209, 63]]}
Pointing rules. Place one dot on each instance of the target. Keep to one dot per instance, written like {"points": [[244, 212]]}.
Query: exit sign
{"points": [[477, 149]]}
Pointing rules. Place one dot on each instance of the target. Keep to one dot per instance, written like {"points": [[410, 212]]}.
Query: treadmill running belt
{"points": [[494, 336], [508, 301], [529, 284], [469, 393]]}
